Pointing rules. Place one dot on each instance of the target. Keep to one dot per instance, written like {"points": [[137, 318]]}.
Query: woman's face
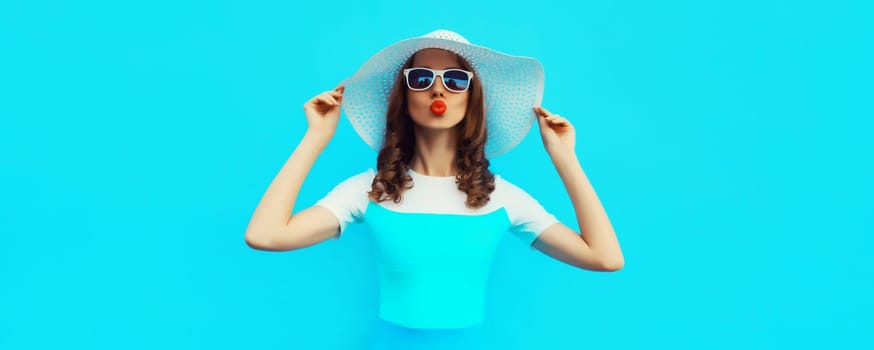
{"points": [[419, 102]]}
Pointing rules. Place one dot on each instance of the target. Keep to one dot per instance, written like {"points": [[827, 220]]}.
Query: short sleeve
{"points": [[528, 218], [348, 200]]}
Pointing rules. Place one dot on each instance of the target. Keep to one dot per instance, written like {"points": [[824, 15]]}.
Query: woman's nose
{"points": [[437, 87]]}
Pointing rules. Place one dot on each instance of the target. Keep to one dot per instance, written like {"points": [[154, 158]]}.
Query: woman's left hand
{"points": [[558, 134]]}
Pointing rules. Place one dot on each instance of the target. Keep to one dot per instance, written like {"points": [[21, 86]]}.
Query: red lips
{"points": [[438, 107]]}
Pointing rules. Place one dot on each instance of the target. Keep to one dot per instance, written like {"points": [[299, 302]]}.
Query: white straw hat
{"points": [[512, 86]]}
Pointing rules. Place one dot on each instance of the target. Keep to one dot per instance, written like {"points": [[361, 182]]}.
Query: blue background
{"points": [[729, 141]]}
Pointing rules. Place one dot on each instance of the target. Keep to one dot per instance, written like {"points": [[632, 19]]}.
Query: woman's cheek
{"points": [[461, 105]]}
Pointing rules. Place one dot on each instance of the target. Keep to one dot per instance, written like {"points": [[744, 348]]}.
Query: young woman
{"points": [[435, 108]]}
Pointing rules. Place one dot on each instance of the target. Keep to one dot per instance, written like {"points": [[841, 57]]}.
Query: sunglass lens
{"points": [[456, 80], [420, 78]]}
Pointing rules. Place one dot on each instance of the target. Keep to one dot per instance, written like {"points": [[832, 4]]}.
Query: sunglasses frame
{"points": [[437, 73]]}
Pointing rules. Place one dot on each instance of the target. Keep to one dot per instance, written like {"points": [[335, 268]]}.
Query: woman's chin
{"points": [[438, 123]]}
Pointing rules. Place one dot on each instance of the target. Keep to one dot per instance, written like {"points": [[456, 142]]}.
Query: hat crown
{"points": [[447, 35]]}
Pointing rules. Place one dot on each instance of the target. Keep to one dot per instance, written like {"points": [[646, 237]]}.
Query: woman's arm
{"points": [[272, 227], [600, 248], [273, 211]]}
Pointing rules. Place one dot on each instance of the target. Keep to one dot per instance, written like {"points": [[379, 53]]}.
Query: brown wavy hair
{"points": [[393, 161]]}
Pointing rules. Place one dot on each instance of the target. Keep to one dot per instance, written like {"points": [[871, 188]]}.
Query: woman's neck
{"points": [[435, 153]]}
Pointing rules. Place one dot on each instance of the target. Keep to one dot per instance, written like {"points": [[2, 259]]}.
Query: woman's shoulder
{"points": [[504, 185], [509, 192]]}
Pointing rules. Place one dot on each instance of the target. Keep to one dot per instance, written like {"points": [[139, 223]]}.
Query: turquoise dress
{"points": [[434, 254]]}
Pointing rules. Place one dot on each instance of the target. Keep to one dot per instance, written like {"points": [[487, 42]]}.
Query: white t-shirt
{"points": [[434, 194]]}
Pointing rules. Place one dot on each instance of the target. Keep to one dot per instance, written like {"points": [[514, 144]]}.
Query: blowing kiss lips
{"points": [[438, 107]]}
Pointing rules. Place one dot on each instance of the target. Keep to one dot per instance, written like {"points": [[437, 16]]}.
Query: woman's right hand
{"points": [[323, 112]]}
